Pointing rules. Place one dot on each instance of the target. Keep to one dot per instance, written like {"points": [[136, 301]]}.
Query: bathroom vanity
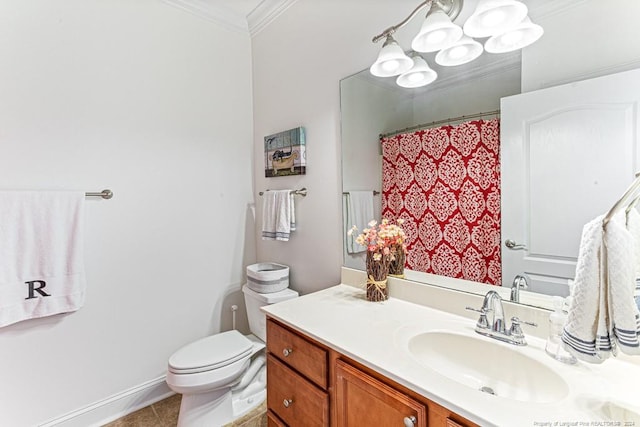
{"points": [[357, 395], [336, 359]]}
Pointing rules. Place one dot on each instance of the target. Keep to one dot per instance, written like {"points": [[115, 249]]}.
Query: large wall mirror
{"points": [[372, 106]]}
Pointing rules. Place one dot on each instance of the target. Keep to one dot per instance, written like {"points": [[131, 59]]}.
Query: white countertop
{"points": [[377, 335]]}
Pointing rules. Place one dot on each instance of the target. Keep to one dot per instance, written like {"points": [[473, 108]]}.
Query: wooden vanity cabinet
{"points": [[297, 379], [309, 384], [362, 400]]}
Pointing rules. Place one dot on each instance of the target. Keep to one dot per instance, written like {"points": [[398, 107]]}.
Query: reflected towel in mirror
{"points": [[359, 211]]}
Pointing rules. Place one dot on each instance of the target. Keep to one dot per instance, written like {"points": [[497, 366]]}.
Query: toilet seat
{"points": [[210, 353]]}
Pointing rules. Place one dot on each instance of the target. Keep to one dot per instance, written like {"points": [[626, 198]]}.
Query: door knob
{"points": [[511, 244], [410, 421]]}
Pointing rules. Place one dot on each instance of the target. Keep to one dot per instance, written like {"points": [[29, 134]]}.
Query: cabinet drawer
{"points": [[273, 420], [295, 400], [302, 355]]}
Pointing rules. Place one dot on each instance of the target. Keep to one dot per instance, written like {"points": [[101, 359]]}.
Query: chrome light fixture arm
{"points": [[450, 7], [389, 31]]}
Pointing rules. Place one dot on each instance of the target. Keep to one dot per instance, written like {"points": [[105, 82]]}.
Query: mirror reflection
{"points": [[571, 172]]}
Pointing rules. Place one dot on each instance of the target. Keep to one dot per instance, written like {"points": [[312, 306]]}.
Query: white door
{"points": [[567, 154]]}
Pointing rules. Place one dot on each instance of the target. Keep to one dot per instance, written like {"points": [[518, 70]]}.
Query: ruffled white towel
{"points": [[41, 254], [359, 212], [633, 225], [278, 215], [603, 316]]}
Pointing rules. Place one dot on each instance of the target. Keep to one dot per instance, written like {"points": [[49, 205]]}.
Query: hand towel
{"points": [[621, 269], [603, 316], [292, 211], [633, 225], [359, 213], [278, 215], [41, 254]]}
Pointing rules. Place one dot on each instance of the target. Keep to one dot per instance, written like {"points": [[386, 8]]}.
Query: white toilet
{"points": [[223, 376]]}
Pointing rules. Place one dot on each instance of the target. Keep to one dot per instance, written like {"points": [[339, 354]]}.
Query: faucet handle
{"points": [[482, 322], [517, 321], [516, 330]]}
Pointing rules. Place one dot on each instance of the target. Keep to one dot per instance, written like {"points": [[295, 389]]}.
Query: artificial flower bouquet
{"points": [[386, 254]]}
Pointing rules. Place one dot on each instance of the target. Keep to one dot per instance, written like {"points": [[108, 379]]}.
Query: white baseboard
{"points": [[114, 407]]}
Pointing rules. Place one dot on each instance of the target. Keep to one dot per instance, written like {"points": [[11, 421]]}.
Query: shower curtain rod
{"points": [[439, 122], [375, 193]]}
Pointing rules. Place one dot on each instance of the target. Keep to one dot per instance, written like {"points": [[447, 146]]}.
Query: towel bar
{"points": [[301, 192], [105, 194]]}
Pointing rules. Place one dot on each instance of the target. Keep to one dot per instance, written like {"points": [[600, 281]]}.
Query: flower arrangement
{"points": [[386, 254]]}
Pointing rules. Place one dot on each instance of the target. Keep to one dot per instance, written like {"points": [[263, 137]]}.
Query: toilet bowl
{"points": [[223, 376]]}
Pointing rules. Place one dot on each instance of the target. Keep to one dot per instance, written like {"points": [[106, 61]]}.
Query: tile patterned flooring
{"points": [[165, 414]]}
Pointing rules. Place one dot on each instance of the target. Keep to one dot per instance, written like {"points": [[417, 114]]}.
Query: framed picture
{"points": [[285, 153]]}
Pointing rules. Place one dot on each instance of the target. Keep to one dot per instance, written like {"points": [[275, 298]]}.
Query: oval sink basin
{"points": [[488, 366]]}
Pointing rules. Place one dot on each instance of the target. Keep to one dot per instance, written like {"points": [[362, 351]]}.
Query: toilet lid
{"points": [[210, 353]]}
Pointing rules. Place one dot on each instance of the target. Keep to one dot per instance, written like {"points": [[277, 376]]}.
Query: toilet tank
{"points": [[254, 300]]}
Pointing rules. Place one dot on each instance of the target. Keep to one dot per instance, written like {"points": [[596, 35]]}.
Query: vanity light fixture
{"points": [[464, 50], [391, 60], [419, 75], [515, 38], [504, 22]]}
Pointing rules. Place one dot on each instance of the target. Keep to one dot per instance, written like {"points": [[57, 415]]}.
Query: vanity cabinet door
{"points": [[362, 400]]}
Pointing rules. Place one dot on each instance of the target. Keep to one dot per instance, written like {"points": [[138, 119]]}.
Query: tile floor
{"points": [[165, 414]]}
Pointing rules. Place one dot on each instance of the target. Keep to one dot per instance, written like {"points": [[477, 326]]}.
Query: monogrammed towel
{"points": [[41, 254]]}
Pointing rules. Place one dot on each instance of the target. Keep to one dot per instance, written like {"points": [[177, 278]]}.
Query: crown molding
{"points": [[550, 8], [265, 13], [211, 12]]}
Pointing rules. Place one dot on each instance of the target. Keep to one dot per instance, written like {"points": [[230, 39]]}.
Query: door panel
{"points": [[568, 153]]}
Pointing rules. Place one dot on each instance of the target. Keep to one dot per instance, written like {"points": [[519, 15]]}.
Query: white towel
{"points": [[633, 225], [41, 254], [278, 215], [359, 213], [603, 316]]}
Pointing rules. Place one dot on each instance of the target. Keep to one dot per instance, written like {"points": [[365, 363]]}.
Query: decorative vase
{"points": [[377, 270], [396, 265]]}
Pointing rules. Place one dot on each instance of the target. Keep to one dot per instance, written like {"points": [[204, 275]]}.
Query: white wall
{"points": [[587, 39], [367, 110], [154, 103], [298, 61]]}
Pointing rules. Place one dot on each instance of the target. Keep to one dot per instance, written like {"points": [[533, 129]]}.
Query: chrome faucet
{"points": [[519, 282], [493, 326]]}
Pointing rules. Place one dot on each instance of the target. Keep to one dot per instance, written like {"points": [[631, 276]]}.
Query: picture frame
{"points": [[285, 153]]}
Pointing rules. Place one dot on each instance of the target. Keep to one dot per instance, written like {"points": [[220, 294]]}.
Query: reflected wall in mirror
{"points": [[371, 106]]}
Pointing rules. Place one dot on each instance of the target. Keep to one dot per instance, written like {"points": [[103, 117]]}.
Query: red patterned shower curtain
{"points": [[445, 184]]}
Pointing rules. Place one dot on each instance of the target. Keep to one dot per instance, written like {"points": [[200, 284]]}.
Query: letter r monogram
{"points": [[33, 289]]}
